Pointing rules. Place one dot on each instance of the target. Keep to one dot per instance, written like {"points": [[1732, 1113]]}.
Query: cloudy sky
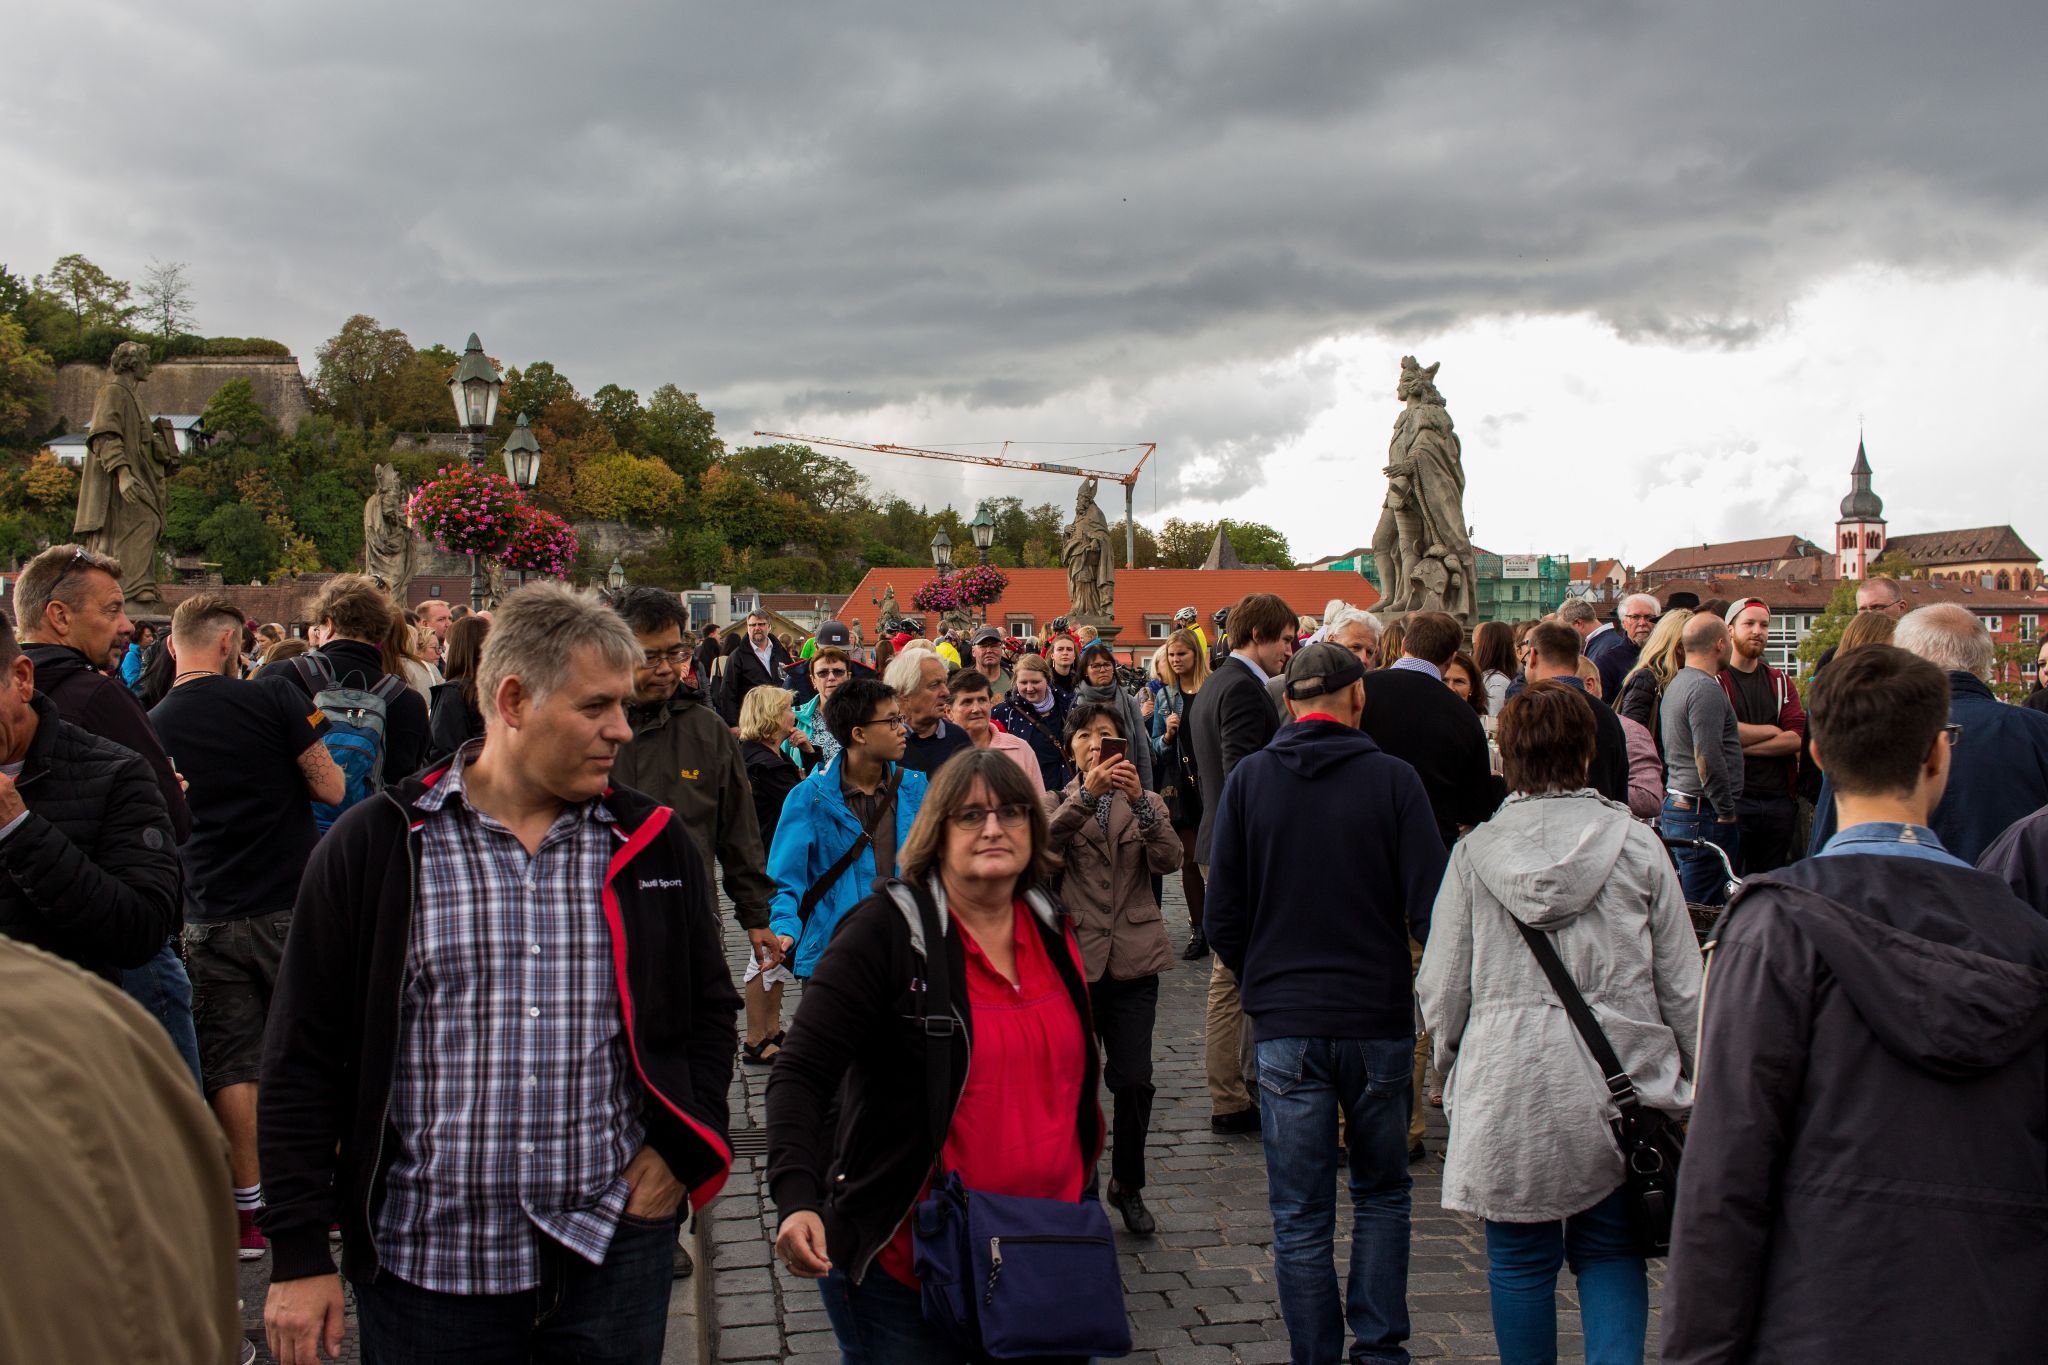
{"points": [[1668, 255]]}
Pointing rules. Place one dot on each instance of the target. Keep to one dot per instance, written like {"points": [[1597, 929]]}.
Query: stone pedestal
{"points": [[1106, 627]]}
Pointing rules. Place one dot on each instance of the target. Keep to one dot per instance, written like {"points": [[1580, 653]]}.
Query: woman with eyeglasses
{"points": [[810, 743], [851, 1130], [841, 827], [1114, 838]]}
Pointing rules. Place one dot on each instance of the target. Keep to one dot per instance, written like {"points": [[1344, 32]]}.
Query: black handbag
{"points": [[1651, 1141]]}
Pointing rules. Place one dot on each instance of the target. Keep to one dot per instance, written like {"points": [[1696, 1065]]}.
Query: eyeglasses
{"points": [[976, 817], [657, 657], [1639, 616], [893, 722], [1953, 732], [828, 672]]}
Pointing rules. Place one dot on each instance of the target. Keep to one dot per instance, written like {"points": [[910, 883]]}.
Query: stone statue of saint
{"points": [[890, 612], [122, 494], [1420, 548], [388, 547], [853, 632], [1090, 557]]}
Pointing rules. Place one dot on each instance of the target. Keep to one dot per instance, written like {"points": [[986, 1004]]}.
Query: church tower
{"points": [[1859, 535]]}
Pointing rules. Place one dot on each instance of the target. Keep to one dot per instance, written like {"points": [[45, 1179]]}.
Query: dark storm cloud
{"points": [[820, 208]]}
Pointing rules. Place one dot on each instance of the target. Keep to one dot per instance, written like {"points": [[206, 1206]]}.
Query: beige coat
{"points": [[117, 1226], [1107, 884]]}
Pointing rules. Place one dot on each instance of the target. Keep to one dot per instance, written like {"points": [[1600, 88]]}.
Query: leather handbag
{"points": [[1002, 1275], [1651, 1141]]}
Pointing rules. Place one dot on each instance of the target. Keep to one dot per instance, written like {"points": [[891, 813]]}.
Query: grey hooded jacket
{"points": [[1529, 1112]]}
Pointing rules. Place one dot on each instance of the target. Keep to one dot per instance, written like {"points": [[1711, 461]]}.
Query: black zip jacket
{"points": [[858, 1046], [104, 706], [332, 1042], [90, 873]]}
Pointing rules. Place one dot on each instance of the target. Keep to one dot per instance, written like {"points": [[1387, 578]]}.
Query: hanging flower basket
{"points": [[464, 510], [541, 543], [972, 587]]}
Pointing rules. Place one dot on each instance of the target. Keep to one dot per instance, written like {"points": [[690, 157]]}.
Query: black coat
{"points": [[1417, 719], [771, 777], [331, 1046], [103, 706], [91, 873], [1614, 654], [452, 721], [2020, 859], [743, 673], [1608, 774], [1231, 717], [857, 1047], [1866, 1173]]}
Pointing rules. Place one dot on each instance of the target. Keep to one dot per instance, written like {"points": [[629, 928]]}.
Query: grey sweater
{"points": [[1702, 751]]}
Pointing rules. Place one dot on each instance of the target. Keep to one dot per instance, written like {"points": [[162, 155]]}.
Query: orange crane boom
{"points": [[1128, 480]]}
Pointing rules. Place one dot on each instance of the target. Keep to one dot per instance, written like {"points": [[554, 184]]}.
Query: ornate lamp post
{"points": [[522, 463], [984, 529], [615, 577], [942, 551], [474, 387]]}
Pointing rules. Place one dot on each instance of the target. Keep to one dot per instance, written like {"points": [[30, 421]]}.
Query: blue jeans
{"points": [[880, 1321], [579, 1314], [1303, 1083], [1700, 873], [161, 987], [1614, 1286]]}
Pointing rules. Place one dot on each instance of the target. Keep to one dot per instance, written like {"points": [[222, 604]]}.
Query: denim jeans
{"points": [[610, 1314], [161, 987], [880, 1321], [1303, 1083], [1700, 873], [1614, 1286]]}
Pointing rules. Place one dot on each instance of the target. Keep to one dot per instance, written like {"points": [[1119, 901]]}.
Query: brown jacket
{"points": [[117, 1229], [1107, 885]]}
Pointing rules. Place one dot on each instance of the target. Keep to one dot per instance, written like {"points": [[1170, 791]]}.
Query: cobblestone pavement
{"points": [[1200, 1292]]}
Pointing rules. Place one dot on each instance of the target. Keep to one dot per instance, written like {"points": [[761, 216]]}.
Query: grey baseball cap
{"points": [[1321, 668]]}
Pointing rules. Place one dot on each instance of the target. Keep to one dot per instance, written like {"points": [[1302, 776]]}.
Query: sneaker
{"points": [[251, 1246], [1138, 1219], [1197, 949], [248, 1352], [685, 1267], [1243, 1121]]}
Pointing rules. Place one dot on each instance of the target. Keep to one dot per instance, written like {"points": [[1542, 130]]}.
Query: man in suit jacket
{"points": [[1612, 652], [1411, 714], [757, 662], [1557, 658], [1230, 718]]}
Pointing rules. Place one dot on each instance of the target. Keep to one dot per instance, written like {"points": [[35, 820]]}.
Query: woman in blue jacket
{"points": [[842, 826]]}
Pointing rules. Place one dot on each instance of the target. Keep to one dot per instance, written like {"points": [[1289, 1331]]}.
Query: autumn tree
{"points": [[677, 430], [48, 484], [92, 296], [25, 378], [624, 487], [358, 370], [167, 298]]}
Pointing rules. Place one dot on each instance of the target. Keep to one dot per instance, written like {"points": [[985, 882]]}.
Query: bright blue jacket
{"points": [[131, 666], [816, 830]]}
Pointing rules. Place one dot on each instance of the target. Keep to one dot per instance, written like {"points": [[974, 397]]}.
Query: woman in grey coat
{"points": [[1531, 1149]]}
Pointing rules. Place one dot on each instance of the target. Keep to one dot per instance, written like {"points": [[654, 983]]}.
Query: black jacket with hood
{"points": [[104, 706], [331, 1047], [849, 1121], [1866, 1177]]}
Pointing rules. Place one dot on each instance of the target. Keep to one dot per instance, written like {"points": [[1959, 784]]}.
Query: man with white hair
{"points": [[502, 1036], [918, 677], [1998, 772], [1343, 624], [1610, 651]]}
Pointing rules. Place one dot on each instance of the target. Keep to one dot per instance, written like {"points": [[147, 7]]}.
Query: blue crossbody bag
{"points": [[1004, 1275]]}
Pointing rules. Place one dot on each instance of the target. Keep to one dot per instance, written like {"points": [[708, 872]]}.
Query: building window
{"points": [[1158, 627], [2004, 580], [2026, 580], [1020, 625], [2030, 626], [1994, 624]]}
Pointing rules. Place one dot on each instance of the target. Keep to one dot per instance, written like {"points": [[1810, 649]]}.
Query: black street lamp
{"points": [[522, 456], [474, 387], [942, 551]]}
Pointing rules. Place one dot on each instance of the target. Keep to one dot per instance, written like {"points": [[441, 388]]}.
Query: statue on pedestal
{"points": [[889, 612], [1420, 548], [1090, 557], [388, 547], [122, 493]]}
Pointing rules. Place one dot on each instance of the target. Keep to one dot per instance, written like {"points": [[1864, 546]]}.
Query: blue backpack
{"points": [[356, 721]]}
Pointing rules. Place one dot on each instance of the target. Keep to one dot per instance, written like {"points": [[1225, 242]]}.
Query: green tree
{"points": [[1185, 544], [14, 295], [92, 296], [824, 482], [238, 537], [167, 298], [1828, 626], [619, 410], [234, 417], [25, 378], [677, 430], [532, 389], [358, 368]]}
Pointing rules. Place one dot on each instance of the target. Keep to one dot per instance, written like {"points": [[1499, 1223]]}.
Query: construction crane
{"points": [[1129, 481]]}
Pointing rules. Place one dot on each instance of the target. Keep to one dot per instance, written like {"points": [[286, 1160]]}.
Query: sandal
{"points": [[758, 1054]]}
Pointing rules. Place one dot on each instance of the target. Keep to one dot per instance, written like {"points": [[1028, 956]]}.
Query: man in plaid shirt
{"points": [[502, 1035]]}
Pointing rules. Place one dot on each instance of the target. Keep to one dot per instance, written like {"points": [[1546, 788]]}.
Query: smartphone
{"points": [[1111, 750]]}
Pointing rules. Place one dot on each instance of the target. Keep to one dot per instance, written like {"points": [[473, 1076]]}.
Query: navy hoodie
{"points": [[1324, 859]]}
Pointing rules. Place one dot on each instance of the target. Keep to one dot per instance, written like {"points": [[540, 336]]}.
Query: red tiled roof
{"points": [[1041, 594], [1691, 557], [830, 603], [1977, 545]]}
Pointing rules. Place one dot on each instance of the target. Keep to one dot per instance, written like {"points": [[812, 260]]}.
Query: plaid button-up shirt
{"points": [[515, 1105]]}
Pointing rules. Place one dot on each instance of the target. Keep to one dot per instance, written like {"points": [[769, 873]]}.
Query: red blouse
{"points": [[1013, 1130]]}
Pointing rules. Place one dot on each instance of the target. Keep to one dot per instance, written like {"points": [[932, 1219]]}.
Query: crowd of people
{"points": [[417, 921]]}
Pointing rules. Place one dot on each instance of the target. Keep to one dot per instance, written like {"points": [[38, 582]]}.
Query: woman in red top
{"points": [[1024, 1068]]}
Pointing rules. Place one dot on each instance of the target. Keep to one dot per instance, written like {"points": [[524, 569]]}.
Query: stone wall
{"points": [[187, 384]]}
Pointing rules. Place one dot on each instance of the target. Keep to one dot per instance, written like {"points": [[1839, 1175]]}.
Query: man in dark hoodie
{"points": [[1863, 1178], [1324, 859], [73, 624]]}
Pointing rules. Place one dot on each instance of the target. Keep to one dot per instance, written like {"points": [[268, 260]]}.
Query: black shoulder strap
{"points": [[1618, 1083], [936, 1018], [831, 878]]}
